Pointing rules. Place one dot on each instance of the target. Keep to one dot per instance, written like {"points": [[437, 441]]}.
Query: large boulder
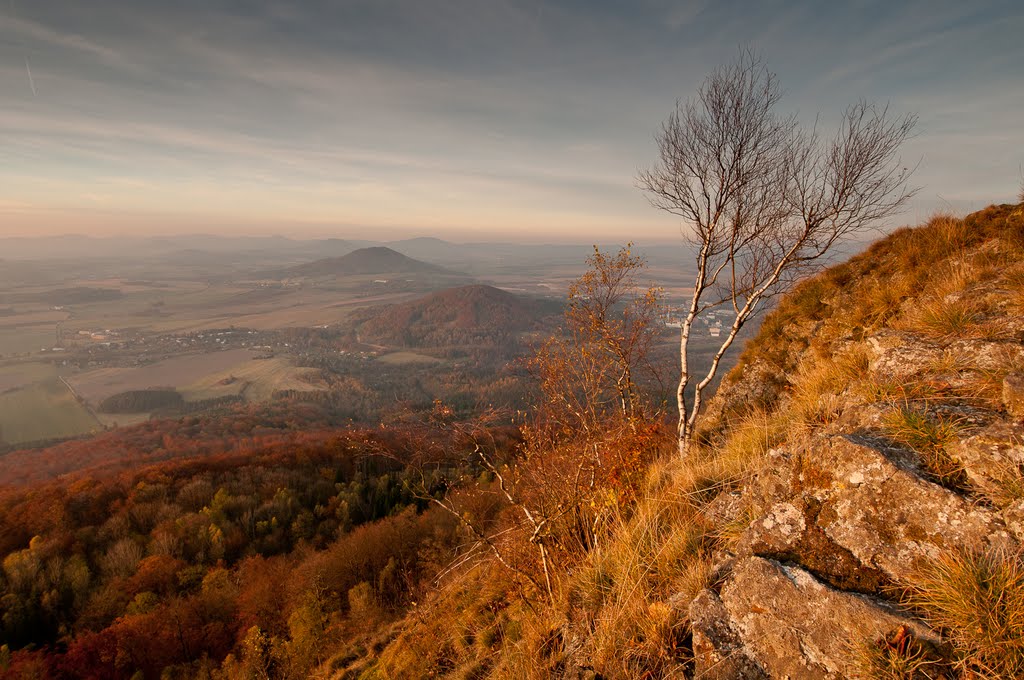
{"points": [[858, 509], [778, 621]]}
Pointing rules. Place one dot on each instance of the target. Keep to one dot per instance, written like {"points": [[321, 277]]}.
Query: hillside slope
{"points": [[900, 472], [456, 316], [856, 508]]}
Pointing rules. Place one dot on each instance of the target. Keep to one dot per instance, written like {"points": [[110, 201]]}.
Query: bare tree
{"points": [[764, 198]]}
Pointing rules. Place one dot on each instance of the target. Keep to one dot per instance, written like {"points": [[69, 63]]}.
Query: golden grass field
{"points": [[255, 379]]}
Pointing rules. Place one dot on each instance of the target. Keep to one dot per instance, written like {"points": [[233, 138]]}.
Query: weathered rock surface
{"points": [[989, 453], [1013, 394], [896, 353], [719, 651], [842, 516], [876, 505], [778, 621], [791, 533]]}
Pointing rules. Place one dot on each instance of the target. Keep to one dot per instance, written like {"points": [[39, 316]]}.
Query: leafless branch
{"points": [[763, 198]]}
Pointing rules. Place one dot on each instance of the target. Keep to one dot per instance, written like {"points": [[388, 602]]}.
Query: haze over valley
{"points": [[206, 323]]}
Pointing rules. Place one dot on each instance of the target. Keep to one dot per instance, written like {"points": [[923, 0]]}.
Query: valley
{"points": [[365, 332]]}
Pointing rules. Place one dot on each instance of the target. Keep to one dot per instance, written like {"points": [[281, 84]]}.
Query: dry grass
{"points": [[945, 318], [621, 607], [984, 381], [950, 362], [620, 596], [929, 436], [1013, 282], [870, 292], [901, 656], [821, 381], [977, 600], [665, 550], [1007, 486], [892, 390], [461, 630]]}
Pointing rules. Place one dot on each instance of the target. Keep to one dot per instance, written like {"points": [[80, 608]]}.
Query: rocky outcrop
{"points": [[869, 500], [846, 514], [842, 516]]}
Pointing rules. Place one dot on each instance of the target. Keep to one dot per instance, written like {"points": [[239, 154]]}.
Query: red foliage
{"points": [[138, 565], [263, 597], [155, 574], [243, 429]]}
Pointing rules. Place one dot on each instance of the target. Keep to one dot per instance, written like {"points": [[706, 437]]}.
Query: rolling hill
{"points": [[374, 260], [476, 314]]}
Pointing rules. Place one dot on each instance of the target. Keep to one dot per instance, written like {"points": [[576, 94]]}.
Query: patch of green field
{"points": [[43, 410], [406, 357]]}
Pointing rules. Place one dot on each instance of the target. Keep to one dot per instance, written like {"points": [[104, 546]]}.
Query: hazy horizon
{"points": [[514, 121]]}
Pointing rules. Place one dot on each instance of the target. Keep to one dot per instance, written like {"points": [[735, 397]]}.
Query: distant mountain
{"points": [[468, 315], [374, 260]]}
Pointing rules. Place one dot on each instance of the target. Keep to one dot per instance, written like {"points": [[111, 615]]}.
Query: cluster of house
{"points": [[711, 321]]}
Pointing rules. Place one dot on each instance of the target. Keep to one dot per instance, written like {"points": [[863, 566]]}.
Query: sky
{"points": [[463, 119]]}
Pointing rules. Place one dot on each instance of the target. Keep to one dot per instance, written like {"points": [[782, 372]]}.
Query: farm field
{"points": [[124, 325], [121, 419], [43, 410], [255, 379], [97, 385], [35, 404], [16, 375], [25, 340], [406, 357], [190, 308]]}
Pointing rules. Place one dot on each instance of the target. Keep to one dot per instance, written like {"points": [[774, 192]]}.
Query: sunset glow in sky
{"points": [[463, 119]]}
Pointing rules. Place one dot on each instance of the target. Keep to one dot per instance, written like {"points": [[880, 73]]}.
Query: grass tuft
{"points": [[929, 437], [977, 600], [817, 391], [945, 318]]}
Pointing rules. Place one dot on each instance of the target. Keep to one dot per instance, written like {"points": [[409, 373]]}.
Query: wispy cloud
{"points": [[534, 113], [28, 30]]}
